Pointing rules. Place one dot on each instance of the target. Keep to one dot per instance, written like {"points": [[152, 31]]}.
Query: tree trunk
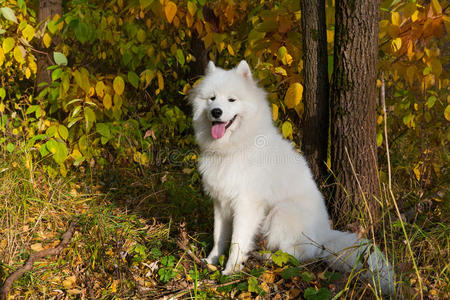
{"points": [[353, 109], [47, 9], [315, 94]]}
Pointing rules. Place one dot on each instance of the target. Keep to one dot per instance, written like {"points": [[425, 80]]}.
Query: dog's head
{"points": [[226, 103]]}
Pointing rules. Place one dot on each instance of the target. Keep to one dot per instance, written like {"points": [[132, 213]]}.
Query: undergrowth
{"points": [[130, 223]]}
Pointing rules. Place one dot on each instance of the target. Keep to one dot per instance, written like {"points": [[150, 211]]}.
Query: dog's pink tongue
{"points": [[218, 130]]}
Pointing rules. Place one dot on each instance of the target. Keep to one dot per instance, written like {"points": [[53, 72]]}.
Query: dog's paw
{"points": [[212, 259]]}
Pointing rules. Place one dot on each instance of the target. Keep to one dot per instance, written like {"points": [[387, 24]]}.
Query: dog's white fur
{"points": [[260, 184]]}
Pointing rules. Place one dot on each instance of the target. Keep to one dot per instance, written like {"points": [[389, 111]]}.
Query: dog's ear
{"points": [[244, 70], [210, 68]]}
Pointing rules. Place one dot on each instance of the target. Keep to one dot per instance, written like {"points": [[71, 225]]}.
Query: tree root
{"points": [[65, 239]]}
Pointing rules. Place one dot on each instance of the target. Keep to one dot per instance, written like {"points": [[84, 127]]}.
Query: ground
{"points": [[141, 233]]}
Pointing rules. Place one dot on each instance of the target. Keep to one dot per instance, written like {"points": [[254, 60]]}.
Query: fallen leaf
{"points": [[37, 247]]}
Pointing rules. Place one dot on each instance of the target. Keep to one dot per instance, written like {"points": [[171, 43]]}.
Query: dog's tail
{"points": [[345, 252]]}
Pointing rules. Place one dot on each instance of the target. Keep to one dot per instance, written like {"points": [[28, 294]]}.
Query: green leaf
{"points": [[8, 13], [61, 153], [290, 272], [60, 58], [31, 109], [63, 132], [10, 147], [253, 285], [320, 294], [56, 74], [133, 78], [431, 100], [103, 130], [89, 116], [379, 139], [279, 258], [2, 93], [82, 32], [180, 57], [307, 276], [51, 131]]}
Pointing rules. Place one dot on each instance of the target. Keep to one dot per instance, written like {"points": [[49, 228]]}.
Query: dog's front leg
{"points": [[246, 221], [222, 232]]}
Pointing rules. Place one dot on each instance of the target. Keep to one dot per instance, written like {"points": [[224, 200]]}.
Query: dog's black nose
{"points": [[216, 112]]}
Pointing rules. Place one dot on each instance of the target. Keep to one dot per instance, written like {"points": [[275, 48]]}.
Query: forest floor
{"points": [[141, 234]]}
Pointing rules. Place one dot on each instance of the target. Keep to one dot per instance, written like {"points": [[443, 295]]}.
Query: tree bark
{"points": [[316, 87], [353, 109], [47, 9]]}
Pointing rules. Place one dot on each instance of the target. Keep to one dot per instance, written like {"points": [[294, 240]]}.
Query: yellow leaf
{"points": [[417, 172], [189, 20], [32, 64], [395, 18], [2, 56], [436, 7], [27, 73], [192, 8], [69, 282], [99, 88], [76, 154], [8, 44], [293, 95], [107, 101], [415, 16], [118, 85], [447, 113], [274, 112], [2, 107], [28, 32], [47, 40], [37, 247], [286, 129], [436, 67], [160, 80], [170, 10], [18, 54], [114, 285], [396, 44], [281, 71], [230, 50], [379, 119]]}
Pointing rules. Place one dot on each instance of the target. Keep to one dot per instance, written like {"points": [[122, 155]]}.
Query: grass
{"points": [[129, 225]]}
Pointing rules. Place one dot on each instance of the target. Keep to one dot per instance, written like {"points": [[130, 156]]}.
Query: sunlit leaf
{"points": [[47, 40], [28, 32], [8, 14], [286, 129], [293, 95], [60, 58], [19, 54], [8, 44], [170, 9]]}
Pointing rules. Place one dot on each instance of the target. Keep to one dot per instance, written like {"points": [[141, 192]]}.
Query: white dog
{"points": [[260, 184]]}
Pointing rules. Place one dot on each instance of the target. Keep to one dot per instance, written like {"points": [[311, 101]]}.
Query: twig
{"points": [[183, 243], [383, 103], [65, 238]]}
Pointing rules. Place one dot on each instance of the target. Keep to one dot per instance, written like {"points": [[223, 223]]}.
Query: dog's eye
{"points": [[231, 100], [212, 98]]}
